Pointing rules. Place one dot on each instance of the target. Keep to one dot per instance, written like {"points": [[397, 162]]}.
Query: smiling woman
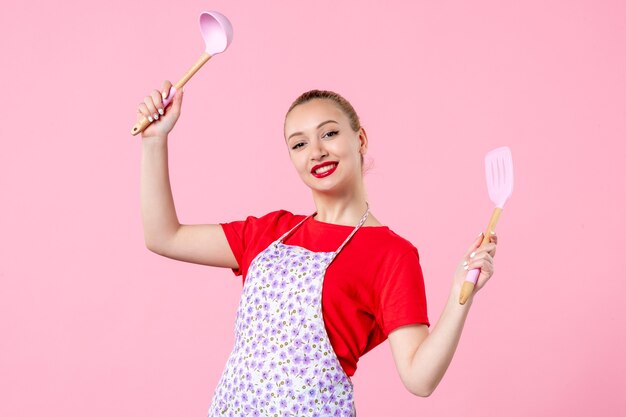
{"points": [[343, 284]]}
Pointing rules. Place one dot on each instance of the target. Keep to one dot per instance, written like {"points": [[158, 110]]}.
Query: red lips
{"points": [[325, 173]]}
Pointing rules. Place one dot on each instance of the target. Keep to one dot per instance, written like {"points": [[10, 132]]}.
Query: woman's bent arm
{"points": [[204, 244], [163, 234], [422, 358]]}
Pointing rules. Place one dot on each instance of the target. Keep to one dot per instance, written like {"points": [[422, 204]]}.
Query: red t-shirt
{"points": [[373, 286]]}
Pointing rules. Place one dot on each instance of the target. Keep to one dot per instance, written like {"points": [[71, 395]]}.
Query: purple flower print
{"points": [[284, 294]]}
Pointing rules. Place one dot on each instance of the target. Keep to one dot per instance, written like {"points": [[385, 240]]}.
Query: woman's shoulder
{"points": [[273, 220], [391, 238]]}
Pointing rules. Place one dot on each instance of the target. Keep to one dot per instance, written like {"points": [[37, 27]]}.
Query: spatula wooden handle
{"points": [[141, 125], [472, 275]]}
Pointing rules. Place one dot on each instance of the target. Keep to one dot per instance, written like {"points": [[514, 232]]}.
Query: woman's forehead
{"points": [[309, 115]]}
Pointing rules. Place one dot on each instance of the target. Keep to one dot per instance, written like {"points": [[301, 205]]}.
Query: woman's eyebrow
{"points": [[318, 126]]}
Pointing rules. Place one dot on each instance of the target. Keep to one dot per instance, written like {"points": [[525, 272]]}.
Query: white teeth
{"points": [[325, 168]]}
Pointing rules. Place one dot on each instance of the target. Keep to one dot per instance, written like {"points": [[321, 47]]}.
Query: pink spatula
{"points": [[499, 175], [217, 32]]}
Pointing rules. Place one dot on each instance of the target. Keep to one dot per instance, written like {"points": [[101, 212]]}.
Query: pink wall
{"points": [[93, 324]]}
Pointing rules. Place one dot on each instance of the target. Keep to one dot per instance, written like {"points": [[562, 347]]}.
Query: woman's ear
{"points": [[363, 141]]}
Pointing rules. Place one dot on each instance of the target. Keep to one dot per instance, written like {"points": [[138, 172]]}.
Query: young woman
{"points": [[319, 290]]}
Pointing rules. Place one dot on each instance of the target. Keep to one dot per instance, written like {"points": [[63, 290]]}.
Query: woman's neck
{"points": [[343, 210]]}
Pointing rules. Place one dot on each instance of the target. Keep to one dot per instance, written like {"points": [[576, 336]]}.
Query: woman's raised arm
{"points": [[163, 234]]}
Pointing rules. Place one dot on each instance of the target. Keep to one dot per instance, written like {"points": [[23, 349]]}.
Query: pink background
{"points": [[93, 324]]}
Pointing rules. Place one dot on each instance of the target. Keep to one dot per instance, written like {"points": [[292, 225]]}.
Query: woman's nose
{"points": [[317, 150]]}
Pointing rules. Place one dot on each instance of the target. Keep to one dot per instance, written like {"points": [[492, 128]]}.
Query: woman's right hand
{"points": [[164, 119]]}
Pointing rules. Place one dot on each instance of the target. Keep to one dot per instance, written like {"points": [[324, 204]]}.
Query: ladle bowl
{"points": [[217, 32]]}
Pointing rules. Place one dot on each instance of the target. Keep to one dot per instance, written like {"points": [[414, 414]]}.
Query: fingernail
{"points": [[466, 267], [493, 233], [464, 263], [164, 94], [150, 119], [156, 116], [161, 112], [472, 254]]}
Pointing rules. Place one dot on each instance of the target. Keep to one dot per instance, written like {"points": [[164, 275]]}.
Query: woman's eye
{"points": [[297, 145], [331, 133]]}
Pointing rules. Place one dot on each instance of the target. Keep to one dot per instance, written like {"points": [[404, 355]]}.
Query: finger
{"points": [[143, 112], [151, 107], [478, 261], [165, 91], [177, 101], [485, 266], [158, 104], [475, 245]]}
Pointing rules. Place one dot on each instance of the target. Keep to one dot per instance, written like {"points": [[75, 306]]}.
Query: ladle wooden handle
{"points": [[144, 123]]}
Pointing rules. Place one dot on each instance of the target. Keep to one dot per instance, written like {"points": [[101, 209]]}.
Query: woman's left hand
{"points": [[477, 257]]}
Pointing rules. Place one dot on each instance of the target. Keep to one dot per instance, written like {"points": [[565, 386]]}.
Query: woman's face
{"points": [[324, 149]]}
